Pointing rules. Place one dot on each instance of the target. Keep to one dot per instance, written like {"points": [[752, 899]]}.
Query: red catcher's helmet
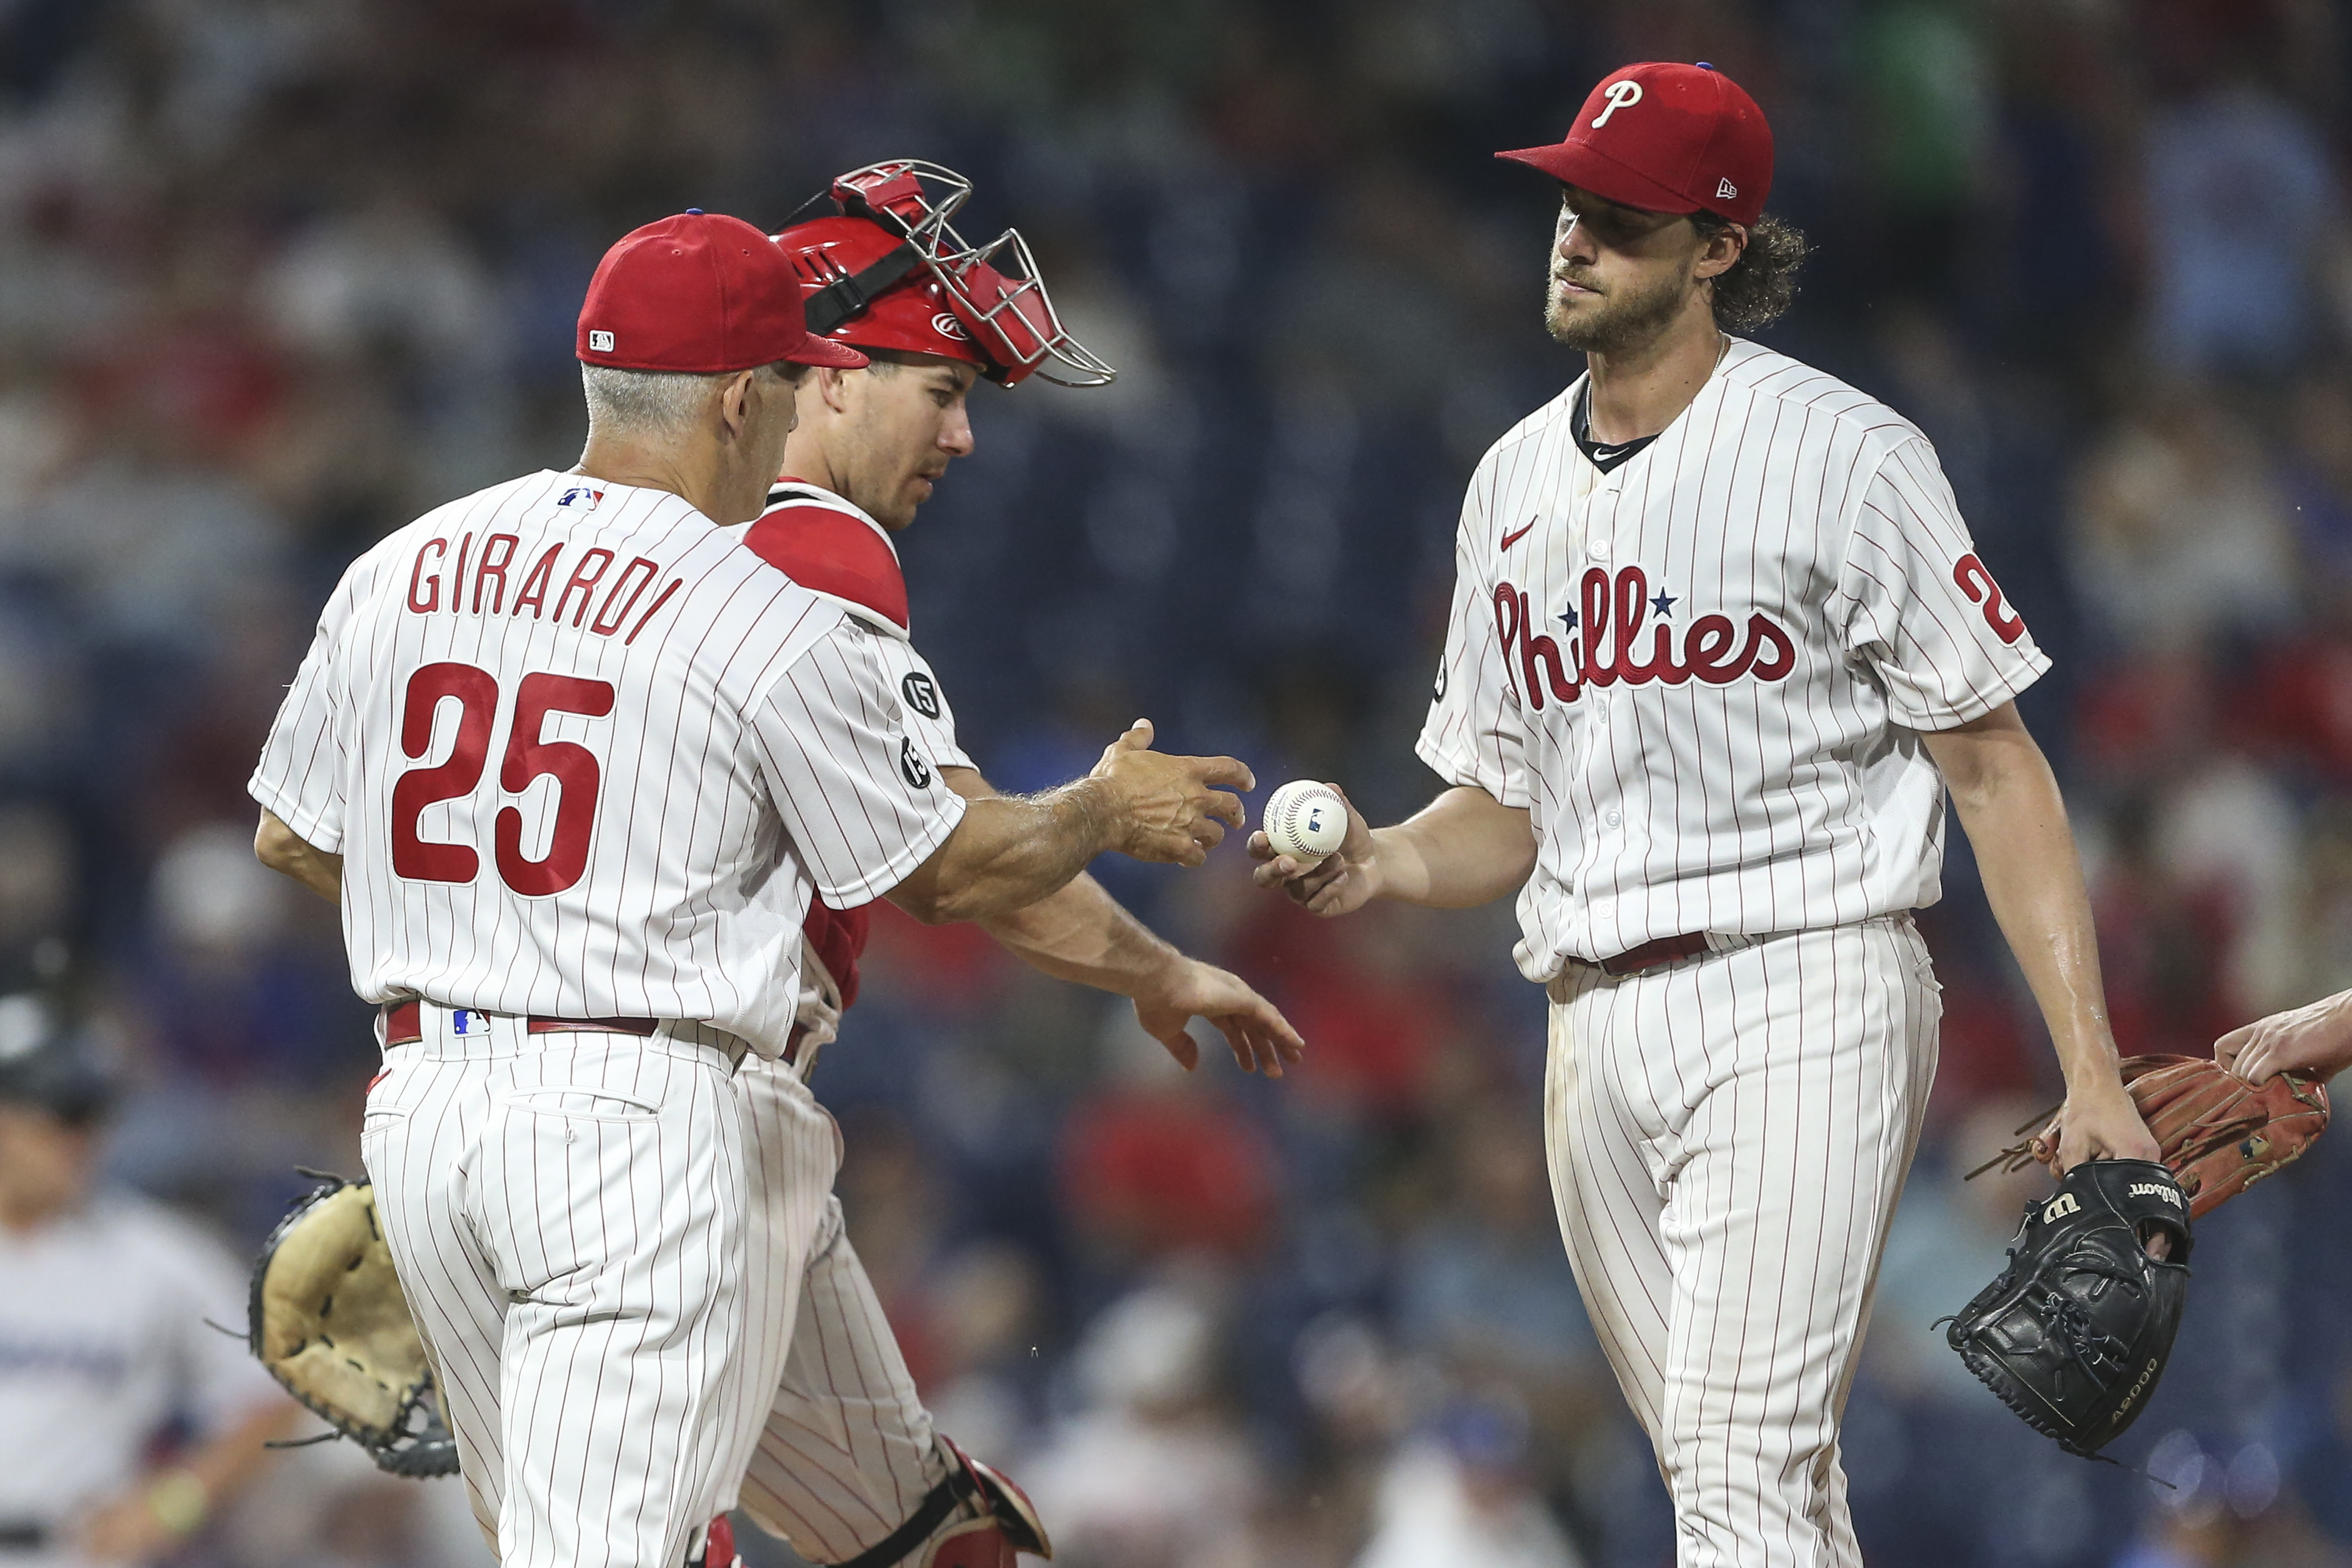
{"points": [[885, 270]]}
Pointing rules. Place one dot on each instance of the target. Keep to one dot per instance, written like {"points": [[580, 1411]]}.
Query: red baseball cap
{"points": [[1669, 138], [702, 294]]}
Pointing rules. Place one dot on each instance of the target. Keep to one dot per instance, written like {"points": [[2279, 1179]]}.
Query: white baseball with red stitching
{"points": [[1306, 820]]}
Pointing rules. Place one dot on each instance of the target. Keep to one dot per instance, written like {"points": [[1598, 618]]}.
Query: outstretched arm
{"points": [[2315, 1038], [1010, 851], [1462, 848], [2008, 802], [1082, 934]]}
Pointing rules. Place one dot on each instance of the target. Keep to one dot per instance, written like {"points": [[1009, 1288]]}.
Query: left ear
{"points": [[735, 403], [1723, 248]]}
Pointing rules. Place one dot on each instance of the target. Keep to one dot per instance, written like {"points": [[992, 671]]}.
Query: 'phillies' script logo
{"points": [[1604, 646]]}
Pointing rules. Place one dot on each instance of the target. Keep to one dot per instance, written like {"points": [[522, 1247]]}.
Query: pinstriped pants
{"points": [[1728, 1138], [569, 1217], [847, 1455]]}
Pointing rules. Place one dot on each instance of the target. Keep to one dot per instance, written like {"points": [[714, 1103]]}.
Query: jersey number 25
{"points": [[572, 766]]}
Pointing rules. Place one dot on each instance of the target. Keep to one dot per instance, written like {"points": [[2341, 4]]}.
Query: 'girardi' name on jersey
{"points": [[582, 577]]}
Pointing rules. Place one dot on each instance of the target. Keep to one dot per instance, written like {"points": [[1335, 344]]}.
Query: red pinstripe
{"points": [[1777, 1090], [847, 1453]]}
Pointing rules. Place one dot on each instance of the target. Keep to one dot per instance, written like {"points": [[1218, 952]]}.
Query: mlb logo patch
{"points": [[465, 1022], [600, 342], [580, 498]]}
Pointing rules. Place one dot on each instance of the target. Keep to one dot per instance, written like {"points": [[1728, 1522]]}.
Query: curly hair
{"points": [[1758, 286]]}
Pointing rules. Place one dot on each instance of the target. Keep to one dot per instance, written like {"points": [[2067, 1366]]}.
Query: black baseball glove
{"points": [[328, 1318], [2074, 1333]]}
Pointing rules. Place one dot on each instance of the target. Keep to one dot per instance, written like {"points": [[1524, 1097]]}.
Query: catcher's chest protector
{"points": [[2074, 1333]]}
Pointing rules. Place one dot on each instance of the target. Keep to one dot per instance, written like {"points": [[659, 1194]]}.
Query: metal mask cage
{"points": [[997, 289], [994, 288]]}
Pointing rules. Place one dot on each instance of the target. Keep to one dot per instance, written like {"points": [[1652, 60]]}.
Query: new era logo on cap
{"points": [[1725, 190], [602, 342]]}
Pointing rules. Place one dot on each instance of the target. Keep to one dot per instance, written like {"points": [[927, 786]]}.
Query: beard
{"points": [[1614, 322]]}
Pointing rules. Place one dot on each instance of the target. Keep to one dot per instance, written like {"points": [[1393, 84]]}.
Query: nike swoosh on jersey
{"points": [[1517, 533]]}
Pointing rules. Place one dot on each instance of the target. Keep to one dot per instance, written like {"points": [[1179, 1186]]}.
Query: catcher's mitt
{"points": [[2219, 1134], [328, 1318], [2074, 1333]]}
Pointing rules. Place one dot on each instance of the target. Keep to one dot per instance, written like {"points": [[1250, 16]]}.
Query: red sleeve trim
{"points": [[833, 554]]}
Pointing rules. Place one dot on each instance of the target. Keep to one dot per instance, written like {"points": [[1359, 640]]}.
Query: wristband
{"points": [[179, 1502]]}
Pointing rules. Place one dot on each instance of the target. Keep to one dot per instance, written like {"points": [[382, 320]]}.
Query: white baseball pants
{"points": [[847, 1455], [1727, 1136], [570, 1215]]}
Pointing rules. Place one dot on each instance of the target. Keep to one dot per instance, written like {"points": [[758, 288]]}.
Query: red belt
{"points": [[404, 1025], [1650, 955]]}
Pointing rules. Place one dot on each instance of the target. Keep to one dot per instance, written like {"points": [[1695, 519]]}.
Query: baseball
{"points": [[1306, 820]]}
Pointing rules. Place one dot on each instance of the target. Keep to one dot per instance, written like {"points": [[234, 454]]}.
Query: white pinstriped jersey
{"points": [[1705, 672], [587, 754]]}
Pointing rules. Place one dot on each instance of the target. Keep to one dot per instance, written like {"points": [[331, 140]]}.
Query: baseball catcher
{"points": [[2074, 1333], [328, 1318]]}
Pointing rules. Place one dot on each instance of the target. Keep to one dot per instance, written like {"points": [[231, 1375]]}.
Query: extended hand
{"points": [[2316, 1039], [1347, 878], [2101, 1123], [1169, 808], [1262, 1038]]}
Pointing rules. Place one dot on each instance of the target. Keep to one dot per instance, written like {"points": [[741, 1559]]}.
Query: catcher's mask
{"points": [[883, 270]]}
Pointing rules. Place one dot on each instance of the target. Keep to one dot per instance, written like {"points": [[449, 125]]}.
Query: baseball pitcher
{"points": [[1720, 646]]}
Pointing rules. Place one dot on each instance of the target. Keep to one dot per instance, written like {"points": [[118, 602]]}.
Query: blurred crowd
{"points": [[278, 275]]}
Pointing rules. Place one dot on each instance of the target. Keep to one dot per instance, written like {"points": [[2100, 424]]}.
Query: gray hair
{"points": [[644, 402]]}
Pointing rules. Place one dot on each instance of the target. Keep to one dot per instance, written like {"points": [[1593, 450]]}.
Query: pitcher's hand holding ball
{"points": [[1326, 881]]}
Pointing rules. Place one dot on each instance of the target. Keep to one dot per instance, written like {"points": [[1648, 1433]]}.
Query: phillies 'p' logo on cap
{"points": [[1666, 137], [1621, 94]]}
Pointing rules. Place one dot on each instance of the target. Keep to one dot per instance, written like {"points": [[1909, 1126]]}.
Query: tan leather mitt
{"points": [[2219, 1134], [328, 1318]]}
